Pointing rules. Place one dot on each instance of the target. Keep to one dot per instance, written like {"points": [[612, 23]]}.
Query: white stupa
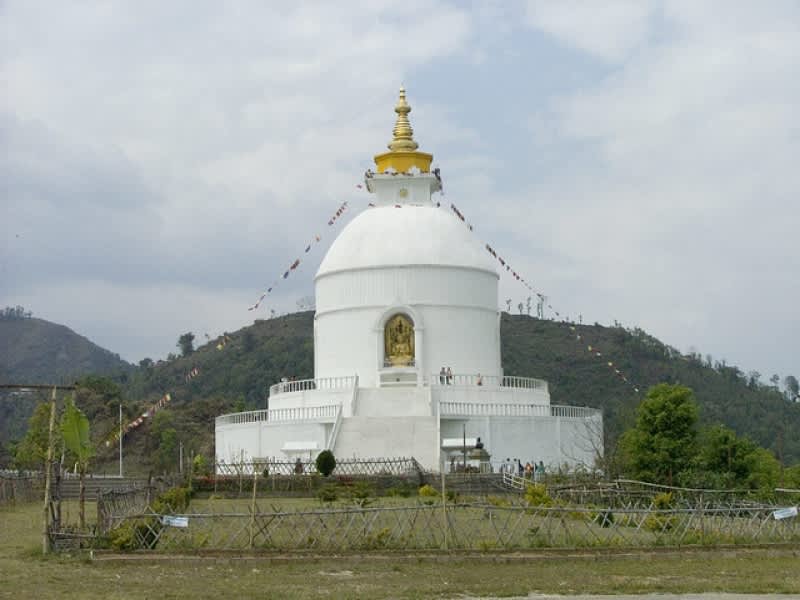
{"points": [[405, 290]]}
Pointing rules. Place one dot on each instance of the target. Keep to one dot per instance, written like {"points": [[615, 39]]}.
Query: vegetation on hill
{"points": [[724, 393], [37, 351], [233, 373]]}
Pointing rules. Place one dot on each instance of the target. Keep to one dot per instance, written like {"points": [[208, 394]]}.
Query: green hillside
{"points": [[238, 377], [38, 351]]}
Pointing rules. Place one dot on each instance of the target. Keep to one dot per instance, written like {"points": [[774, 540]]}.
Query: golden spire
{"points": [[403, 140], [403, 155]]}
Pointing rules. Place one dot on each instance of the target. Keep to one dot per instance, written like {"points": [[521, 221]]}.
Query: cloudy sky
{"points": [[638, 161]]}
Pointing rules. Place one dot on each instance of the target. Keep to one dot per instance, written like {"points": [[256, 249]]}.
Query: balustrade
{"points": [[323, 383], [492, 381], [498, 409], [306, 413]]}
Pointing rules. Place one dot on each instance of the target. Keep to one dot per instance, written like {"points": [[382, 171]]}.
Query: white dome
{"points": [[411, 235]]}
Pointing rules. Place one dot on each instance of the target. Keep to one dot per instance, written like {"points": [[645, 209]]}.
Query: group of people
{"points": [[445, 376], [531, 470]]}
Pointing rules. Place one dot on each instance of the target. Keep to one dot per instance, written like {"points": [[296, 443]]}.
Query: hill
{"points": [[238, 377], [37, 351]]}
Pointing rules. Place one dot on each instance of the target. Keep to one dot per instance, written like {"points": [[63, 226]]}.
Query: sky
{"points": [[163, 162]]}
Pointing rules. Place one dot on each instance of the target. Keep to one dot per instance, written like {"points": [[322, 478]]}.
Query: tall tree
{"points": [[75, 430], [792, 386], [31, 452], [186, 343], [662, 443]]}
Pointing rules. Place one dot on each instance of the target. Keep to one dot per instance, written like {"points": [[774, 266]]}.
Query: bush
{"points": [[361, 493], [173, 500], [659, 523], [328, 493], [428, 491], [536, 495], [325, 463], [404, 490], [200, 466]]}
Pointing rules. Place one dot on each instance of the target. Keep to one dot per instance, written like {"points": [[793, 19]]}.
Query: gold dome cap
{"points": [[403, 154]]}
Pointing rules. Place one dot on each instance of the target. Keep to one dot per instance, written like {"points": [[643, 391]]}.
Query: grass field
{"points": [[25, 574]]}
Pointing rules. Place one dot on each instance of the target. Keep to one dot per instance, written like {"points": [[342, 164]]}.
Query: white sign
{"points": [[170, 521], [785, 513]]}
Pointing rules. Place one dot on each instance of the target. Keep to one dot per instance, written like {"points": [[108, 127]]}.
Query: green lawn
{"points": [[25, 574]]}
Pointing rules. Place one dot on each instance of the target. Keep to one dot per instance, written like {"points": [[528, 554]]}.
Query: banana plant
{"points": [[75, 431]]}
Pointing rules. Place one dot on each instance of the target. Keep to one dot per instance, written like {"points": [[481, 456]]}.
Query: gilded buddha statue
{"points": [[399, 341]]}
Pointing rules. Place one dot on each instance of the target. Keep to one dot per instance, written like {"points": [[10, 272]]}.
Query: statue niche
{"points": [[398, 341]]}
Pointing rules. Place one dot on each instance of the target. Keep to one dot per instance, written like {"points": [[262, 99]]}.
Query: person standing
{"points": [[442, 376], [449, 376]]}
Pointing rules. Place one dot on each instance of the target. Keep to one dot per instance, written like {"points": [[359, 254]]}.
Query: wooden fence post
{"points": [[48, 474], [253, 508]]}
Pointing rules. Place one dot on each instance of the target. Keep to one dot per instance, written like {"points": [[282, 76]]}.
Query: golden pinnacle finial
{"points": [[403, 134], [403, 156]]}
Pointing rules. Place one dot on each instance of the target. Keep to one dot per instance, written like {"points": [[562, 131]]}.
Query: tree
{"points": [[163, 440], [75, 430], [325, 463], [723, 460], [792, 386], [754, 377], [31, 452], [775, 380], [146, 363], [662, 443], [186, 343]]}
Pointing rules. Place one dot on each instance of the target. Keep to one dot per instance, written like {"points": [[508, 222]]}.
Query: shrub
{"points": [[428, 491], [536, 495], [328, 493], [200, 465], [173, 500], [659, 523], [361, 493], [325, 463], [403, 490], [498, 501]]}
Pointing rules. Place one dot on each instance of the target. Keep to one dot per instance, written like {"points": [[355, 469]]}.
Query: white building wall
{"points": [[552, 440], [454, 311], [265, 440], [381, 437]]}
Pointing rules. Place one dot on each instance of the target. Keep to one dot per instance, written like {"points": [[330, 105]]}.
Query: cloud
{"points": [[191, 146], [609, 31], [163, 164], [678, 202]]}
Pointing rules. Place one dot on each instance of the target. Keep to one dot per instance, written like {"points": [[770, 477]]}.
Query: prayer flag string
{"points": [[194, 372], [296, 263], [593, 351]]}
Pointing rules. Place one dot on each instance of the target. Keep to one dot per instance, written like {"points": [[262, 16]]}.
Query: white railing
{"points": [[323, 383], [514, 481], [492, 381], [307, 413], [499, 409]]}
